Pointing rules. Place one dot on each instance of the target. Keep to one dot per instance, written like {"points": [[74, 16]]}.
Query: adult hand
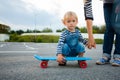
{"points": [[91, 43]]}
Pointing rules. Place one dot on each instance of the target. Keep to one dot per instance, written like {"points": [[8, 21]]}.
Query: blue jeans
{"points": [[72, 46], [109, 16]]}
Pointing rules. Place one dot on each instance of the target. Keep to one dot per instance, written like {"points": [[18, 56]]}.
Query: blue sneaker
{"points": [[116, 62], [102, 61]]}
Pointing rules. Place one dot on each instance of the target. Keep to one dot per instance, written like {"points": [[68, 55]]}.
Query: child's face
{"points": [[70, 23]]}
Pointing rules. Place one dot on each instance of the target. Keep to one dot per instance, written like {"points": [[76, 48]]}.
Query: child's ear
{"points": [[77, 21], [63, 21]]}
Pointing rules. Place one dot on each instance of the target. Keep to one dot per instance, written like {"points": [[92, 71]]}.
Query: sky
{"points": [[40, 14]]}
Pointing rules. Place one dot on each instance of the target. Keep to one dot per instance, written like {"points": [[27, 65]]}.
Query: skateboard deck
{"points": [[44, 60]]}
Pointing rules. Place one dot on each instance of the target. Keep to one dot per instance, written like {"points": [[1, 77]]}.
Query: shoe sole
{"points": [[64, 64], [116, 65], [98, 63]]}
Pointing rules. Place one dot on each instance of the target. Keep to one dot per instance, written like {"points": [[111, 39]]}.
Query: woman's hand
{"points": [[91, 43]]}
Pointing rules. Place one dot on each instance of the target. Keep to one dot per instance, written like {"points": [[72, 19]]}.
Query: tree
{"points": [[102, 29], [47, 30], [83, 30], [58, 30], [12, 32], [63, 29], [36, 31], [95, 29], [29, 31], [4, 28], [19, 32]]}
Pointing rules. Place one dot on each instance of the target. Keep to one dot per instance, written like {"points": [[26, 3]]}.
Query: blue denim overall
{"points": [[72, 46]]}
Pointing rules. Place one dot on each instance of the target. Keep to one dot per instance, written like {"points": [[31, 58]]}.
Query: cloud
{"points": [[21, 14], [18, 12], [14, 12]]}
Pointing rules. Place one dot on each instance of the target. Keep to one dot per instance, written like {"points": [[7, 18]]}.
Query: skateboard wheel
{"points": [[83, 64], [44, 64]]}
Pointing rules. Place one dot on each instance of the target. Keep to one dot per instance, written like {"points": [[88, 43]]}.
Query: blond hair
{"points": [[69, 14], [84, 1]]}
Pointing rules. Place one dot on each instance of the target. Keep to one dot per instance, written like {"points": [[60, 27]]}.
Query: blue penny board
{"points": [[40, 58]]}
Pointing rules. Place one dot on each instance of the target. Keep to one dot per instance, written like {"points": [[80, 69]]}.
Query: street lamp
{"points": [[35, 27]]}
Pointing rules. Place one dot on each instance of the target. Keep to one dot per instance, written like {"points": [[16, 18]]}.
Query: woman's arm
{"points": [[89, 19]]}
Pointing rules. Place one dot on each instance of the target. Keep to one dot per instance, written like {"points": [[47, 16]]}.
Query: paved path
{"points": [[17, 63]]}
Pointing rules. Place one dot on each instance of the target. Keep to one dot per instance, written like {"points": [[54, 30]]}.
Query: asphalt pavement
{"points": [[17, 62]]}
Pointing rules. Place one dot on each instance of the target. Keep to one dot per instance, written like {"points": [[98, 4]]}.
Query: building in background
{"points": [[4, 37]]}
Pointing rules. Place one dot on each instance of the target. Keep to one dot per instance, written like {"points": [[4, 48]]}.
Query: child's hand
{"points": [[60, 58]]}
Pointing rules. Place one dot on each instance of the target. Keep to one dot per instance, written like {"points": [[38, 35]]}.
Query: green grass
{"points": [[40, 39]]}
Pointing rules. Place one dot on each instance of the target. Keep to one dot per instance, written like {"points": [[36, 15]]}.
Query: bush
{"points": [[40, 39], [14, 37], [99, 41], [47, 38]]}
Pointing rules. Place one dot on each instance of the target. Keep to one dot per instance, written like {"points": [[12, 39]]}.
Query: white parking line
{"points": [[2, 45], [28, 46]]}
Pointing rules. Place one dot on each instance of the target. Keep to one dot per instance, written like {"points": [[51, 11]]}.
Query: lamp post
{"points": [[35, 27]]}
